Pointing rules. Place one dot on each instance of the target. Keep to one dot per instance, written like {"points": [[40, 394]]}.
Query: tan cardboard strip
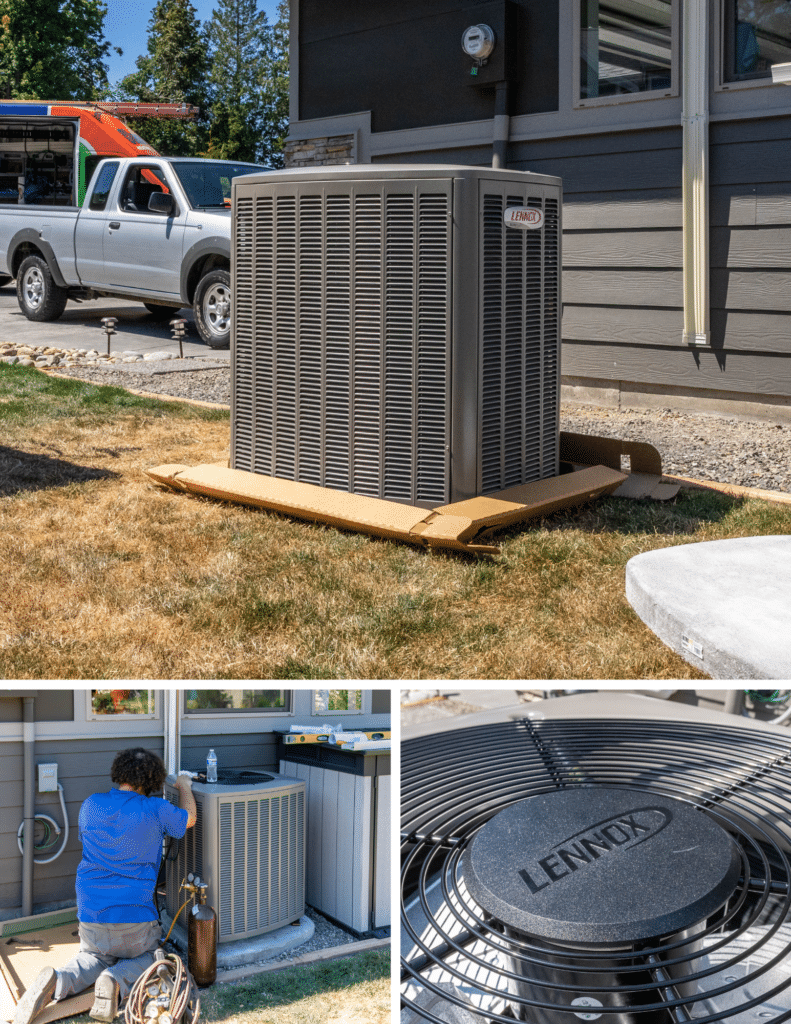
{"points": [[22, 956], [451, 526], [644, 478]]}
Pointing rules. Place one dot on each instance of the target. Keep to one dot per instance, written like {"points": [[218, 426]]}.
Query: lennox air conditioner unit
{"points": [[392, 336], [248, 843], [606, 858]]}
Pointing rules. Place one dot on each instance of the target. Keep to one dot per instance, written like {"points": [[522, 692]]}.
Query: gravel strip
{"points": [[326, 936], [728, 451], [196, 384], [731, 451]]}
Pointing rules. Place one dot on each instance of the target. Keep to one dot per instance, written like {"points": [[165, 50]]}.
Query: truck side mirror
{"points": [[161, 202]]}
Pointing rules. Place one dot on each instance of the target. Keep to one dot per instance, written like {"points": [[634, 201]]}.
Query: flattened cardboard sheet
{"points": [[23, 956], [453, 526], [644, 479]]}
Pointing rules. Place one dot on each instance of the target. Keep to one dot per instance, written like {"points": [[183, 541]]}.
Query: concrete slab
{"points": [[261, 947], [80, 326], [723, 605]]}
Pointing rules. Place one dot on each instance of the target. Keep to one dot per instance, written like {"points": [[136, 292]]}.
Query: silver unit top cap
{"points": [[379, 172]]}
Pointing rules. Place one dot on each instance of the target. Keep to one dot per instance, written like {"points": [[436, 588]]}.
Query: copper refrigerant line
{"points": [[163, 994]]}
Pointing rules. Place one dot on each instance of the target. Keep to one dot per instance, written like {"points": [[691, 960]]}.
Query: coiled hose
{"points": [[163, 994]]}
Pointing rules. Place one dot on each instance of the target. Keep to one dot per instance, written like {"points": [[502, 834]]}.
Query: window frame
{"points": [[95, 716], [250, 715], [580, 103], [721, 83], [364, 709], [155, 168]]}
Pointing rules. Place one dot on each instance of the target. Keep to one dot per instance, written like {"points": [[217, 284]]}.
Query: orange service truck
{"points": [[48, 150]]}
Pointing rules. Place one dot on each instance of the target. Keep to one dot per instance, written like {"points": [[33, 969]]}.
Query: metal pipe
{"points": [[695, 170], [172, 759], [502, 126], [29, 800]]}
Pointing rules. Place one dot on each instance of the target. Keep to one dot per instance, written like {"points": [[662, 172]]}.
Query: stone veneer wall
{"points": [[337, 149]]}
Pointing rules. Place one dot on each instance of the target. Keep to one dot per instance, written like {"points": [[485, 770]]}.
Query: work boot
{"points": [[105, 998], [37, 996]]}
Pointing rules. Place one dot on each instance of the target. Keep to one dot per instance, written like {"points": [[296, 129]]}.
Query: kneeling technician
{"points": [[122, 833]]}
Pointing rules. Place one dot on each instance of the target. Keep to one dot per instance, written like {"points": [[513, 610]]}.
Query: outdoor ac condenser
{"points": [[392, 337], [248, 843]]}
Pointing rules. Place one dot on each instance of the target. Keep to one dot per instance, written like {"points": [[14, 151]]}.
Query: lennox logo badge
{"points": [[620, 832], [523, 217]]}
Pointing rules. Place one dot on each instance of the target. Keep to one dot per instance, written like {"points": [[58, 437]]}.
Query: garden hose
{"points": [[55, 827], [165, 993]]}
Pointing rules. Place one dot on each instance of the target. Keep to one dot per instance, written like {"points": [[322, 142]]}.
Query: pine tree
{"points": [[239, 42], [275, 78], [173, 71], [53, 49]]}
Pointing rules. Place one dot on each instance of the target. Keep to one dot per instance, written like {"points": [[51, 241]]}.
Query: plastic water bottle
{"points": [[211, 767]]}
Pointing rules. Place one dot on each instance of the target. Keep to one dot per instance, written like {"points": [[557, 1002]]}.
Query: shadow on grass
{"points": [[22, 471]]}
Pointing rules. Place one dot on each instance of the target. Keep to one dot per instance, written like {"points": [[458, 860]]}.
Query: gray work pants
{"points": [[123, 951]]}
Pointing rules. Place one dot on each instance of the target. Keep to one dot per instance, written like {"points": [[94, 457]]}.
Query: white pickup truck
{"points": [[156, 229]]}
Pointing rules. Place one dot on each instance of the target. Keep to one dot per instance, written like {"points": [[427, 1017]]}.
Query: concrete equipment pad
{"points": [[723, 605]]}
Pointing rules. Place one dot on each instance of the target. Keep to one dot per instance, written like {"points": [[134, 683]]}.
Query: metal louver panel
{"points": [[551, 291], [183, 856], [347, 366], [244, 326], [519, 348], [261, 858]]}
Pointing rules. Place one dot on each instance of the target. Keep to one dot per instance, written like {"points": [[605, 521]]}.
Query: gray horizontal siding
{"points": [[736, 372], [83, 769], [237, 750], [626, 288], [742, 290], [618, 249]]}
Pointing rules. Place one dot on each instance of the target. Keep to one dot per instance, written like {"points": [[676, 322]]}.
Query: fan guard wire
{"points": [[452, 784]]}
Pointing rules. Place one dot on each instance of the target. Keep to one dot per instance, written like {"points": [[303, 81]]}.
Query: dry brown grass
{"points": [[109, 577]]}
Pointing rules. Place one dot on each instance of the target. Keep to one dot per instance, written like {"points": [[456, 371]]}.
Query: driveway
{"points": [[80, 326]]}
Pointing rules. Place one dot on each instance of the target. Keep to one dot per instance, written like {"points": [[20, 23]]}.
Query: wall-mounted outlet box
{"points": [[47, 778]]}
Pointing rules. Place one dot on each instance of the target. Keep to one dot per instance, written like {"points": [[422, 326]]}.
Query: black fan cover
{"points": [[613, 870]]}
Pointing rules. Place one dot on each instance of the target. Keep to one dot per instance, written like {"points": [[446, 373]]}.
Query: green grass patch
{"points": [[29, 396]]}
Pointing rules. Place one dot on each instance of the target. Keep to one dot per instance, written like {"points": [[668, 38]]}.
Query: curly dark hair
{"points": [[140, 769]]}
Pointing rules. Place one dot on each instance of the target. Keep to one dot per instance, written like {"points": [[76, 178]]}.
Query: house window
{"points": [[757, 35], [235, 702], [337, 702], [122, 703], [626, 48]]}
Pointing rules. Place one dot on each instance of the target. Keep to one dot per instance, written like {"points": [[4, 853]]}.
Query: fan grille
{"points": [[731, 969]]}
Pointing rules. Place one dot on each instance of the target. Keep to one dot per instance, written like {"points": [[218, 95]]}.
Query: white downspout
{"points": [[695, 173], [172, 759]]}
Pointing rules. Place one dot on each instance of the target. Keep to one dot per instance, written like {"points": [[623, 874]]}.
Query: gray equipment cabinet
{"points": [[348, 831]]}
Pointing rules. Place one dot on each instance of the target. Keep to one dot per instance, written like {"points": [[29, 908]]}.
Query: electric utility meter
{"points": [[478, 42]]}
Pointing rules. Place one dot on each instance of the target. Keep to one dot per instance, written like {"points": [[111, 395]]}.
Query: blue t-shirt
{"points": [[121, 835]]}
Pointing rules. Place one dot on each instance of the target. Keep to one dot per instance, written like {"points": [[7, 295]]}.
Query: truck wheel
{"points": [[161, 312], [38, 296], [5, 279], [212, 308]]}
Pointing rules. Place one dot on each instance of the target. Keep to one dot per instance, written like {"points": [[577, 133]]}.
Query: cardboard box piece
{"points": [[595, 471]]}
